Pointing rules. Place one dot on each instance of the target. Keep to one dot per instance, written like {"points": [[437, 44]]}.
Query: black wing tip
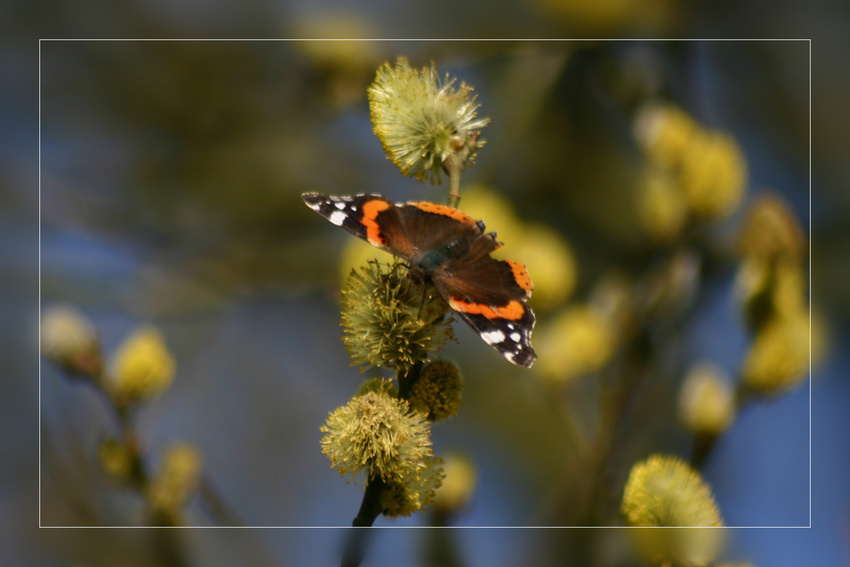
{"points": [[312, 198], [524, 357]]}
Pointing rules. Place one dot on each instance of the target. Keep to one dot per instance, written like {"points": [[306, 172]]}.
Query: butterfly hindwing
{"points": [[510, 336]]}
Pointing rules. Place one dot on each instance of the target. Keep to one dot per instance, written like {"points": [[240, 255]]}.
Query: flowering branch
{"points": [[141, 369]]}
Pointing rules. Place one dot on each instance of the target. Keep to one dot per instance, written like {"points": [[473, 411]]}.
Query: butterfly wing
{"points": [[490, 295], [405, 229]]}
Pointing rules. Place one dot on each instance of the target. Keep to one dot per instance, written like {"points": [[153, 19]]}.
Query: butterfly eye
{"points": [[481, 226]]}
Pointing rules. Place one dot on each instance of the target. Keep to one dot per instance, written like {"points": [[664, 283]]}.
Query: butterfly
{"points": [[450, 249]]}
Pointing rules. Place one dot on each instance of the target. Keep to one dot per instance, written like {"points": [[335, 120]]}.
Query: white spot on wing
{"points": [[339, 205], [493, 337], [515, 337], [337, 218]]}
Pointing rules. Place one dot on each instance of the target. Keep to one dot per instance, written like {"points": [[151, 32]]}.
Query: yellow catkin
{"points": [[577, 342], [706, 401], [770, 230], [142, 367], [778, 359], [69, 339], [664, 492], [714, 175], [662, 210], [176, 480]]}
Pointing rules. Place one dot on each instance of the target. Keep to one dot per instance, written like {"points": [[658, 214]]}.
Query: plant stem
{"points": [[614, 402], [702, 447], [370, 509], [454, 166], [407, 379]]}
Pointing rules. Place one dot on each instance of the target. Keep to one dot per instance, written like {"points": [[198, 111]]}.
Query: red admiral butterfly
{"points": [[448, 248]]}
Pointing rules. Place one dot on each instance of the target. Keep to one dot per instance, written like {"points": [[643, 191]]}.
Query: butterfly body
{"points": [[448, 248]]}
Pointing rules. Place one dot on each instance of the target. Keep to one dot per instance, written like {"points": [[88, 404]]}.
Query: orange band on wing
{"points": [[444, 210], [521, 276], [513, 311], [371, 210]]}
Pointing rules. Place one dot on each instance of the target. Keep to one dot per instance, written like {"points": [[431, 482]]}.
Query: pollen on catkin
{"points": [[665, 131], [707, 166], [664, 492], [769, 288], [576, 342], [421, 119], [714, 175], [778, 359], [142, 368], [376, 435], [437, 390], [771, 281], [661, 207], [706, 401], [377, 385], [357, 253], [389, 321], [770, 229], [412, 489], [174, 483]]}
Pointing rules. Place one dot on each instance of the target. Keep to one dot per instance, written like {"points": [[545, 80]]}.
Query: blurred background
{"points": [[170, 179]]}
